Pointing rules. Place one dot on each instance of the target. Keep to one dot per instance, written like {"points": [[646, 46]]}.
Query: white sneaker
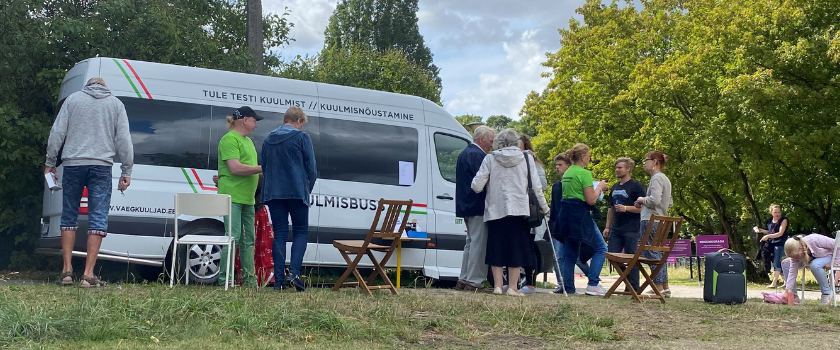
{"points": [[528, 290], [825, 299], [595, 290], [514, 293], [498, 291]]}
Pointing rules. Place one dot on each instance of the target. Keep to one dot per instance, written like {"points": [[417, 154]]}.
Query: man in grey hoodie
{"points": [[92, 128]]}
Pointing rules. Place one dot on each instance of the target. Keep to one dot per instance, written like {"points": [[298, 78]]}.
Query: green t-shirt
{"points": [[240, 188], [575, 179]]}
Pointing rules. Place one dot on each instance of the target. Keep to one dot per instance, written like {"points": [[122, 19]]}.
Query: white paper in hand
{"points": [[595, 185], [51, 182]]}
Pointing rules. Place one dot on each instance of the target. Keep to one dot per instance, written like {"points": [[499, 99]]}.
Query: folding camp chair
{"points": [[626, 262], [387, 230]]}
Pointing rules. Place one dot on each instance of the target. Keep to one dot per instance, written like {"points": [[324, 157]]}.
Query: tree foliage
{"points": [[467, 119], [498, 122], [41, 40], [743, 97], [384, 26]]}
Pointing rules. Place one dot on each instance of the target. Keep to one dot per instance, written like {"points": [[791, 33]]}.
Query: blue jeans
{"points": [[662, 276], [558, 251], [571, 253], [778, 254], [817, 267], [97, 179], [280, 210]]}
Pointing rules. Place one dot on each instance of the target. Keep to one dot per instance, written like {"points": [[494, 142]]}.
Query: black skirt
{"points": [[509, 243]]}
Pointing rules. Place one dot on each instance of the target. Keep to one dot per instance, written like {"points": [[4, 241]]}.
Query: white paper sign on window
{"points": [[406, 173]]}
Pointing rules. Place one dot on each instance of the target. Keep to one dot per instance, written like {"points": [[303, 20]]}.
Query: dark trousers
{"points": [[629, 242], [280, 211]]}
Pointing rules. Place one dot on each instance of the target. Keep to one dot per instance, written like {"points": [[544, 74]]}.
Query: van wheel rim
{"points": [[204, 260]]}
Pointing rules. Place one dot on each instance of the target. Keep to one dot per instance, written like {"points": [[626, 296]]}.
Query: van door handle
{"points": [[445, 196]]}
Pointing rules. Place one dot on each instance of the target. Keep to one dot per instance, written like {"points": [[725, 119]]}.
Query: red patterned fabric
{"points": [[263, 261]]}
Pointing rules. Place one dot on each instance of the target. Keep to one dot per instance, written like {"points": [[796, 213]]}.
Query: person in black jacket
{"points": [[470, 206]]}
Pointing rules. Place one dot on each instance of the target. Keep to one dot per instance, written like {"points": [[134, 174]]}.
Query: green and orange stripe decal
{"points": [[137, 77]]}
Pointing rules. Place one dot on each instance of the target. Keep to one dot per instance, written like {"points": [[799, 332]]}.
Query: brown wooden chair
{"points": [[625, 262], [388, 213]]}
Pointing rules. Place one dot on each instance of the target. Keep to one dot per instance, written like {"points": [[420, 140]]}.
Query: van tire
{"points": [[210, 276]]}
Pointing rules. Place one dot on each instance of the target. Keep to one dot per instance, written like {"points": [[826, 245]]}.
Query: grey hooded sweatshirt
{"points": [[92, 126], [504, 175]]}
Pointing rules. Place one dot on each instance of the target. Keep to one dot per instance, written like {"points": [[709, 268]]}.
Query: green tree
{"points": [[380, 26], [387, 70], [40, 41], [742, 96], [498, 122], [467, 119]]}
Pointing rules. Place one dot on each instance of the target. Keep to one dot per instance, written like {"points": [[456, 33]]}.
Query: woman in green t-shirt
{"points": [[579, 195], [238, 177]]}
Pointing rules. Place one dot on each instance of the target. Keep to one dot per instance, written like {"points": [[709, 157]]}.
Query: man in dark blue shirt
{"points": [[622, 231], [470, 206]]}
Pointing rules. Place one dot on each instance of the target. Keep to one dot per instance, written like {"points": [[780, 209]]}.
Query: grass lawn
{"points": [[140, 316]]}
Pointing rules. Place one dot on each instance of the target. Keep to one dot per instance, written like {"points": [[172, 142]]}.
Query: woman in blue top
{"points": [[776, 234]]}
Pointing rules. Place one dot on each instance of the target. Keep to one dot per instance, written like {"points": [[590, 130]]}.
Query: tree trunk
{"points": [[736, 240], [254, 33]]}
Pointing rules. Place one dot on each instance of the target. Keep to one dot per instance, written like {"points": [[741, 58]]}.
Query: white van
{"points": [[177, 115]]}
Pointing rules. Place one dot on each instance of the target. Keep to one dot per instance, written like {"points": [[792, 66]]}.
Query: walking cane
{"points": [[556, 264]]}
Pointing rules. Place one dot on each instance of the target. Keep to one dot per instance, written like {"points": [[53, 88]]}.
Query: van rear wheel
{"points": [[202, 261]]}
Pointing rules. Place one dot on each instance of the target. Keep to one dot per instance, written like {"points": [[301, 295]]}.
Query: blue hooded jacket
{"points": [[288, 163], [574, 222]]}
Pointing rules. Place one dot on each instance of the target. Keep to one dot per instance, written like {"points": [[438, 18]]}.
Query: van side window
{"points": [[364, 152], [447, 149], [167, 133], [218, 128]]}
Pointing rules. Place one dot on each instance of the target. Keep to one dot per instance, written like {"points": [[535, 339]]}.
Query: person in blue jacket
{"points": [[288, 162], [470, 206]]}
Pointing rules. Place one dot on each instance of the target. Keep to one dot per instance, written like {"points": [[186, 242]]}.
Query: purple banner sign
{"points": [[682, 249], [711, 244]]}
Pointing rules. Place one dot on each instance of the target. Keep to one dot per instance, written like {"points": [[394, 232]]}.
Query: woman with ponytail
{"points": [[238, 177], [815, 250], [575, 226], [655, 202]]}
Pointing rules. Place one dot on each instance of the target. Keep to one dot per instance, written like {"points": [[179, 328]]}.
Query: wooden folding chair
{"points": [[387, 230], [626, 262]]}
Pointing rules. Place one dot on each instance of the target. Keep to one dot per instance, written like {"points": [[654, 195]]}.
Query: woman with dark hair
{"points": [[655, 202]]}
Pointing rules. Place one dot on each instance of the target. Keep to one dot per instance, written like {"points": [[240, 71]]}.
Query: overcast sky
{"points": [[489, 51]]}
